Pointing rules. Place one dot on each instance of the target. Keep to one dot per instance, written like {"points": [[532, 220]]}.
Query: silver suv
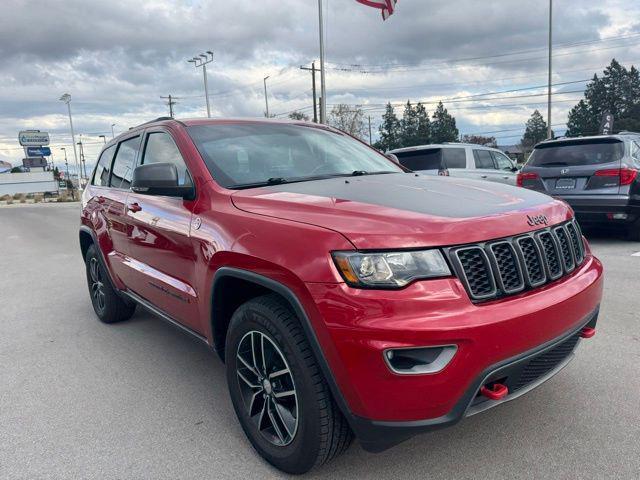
{"points": [[459, 160], [597, 176]]}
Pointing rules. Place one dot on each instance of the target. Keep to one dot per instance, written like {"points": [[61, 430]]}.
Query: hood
{"points": [[407, 210]]}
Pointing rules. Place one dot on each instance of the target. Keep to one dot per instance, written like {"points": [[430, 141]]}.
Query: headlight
{"points": [[390, 269]]}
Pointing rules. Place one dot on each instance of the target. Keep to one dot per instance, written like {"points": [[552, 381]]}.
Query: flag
{"points": [[387, 7]]}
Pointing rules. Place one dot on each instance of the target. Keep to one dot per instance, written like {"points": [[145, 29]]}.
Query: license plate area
{"points": [[565, 183]]}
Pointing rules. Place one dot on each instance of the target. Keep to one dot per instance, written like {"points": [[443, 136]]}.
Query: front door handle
{"points": [[483, 176], [134, 207]]}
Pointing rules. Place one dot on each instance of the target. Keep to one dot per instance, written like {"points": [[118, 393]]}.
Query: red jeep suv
{"points": [[346, 295]]}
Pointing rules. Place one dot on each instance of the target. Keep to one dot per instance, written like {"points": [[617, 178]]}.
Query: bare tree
{"points": [[298, 116], [348, 119]]}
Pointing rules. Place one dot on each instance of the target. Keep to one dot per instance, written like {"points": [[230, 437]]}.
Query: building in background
{"points": [[5, 167]]}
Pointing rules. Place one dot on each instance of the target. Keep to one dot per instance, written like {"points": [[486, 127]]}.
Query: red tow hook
{"points": [[587, 332], [496, 392]]}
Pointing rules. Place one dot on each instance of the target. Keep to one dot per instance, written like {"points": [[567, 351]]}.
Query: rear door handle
{"points": [[134, 207], [483, 176]]}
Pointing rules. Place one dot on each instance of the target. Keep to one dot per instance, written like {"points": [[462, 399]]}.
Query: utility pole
{"points": [[266, 98], [549, 83], [313, 82], [66, 98], [370, 139], [201, 61], [323, 93], [112, 133], [171, 101]]}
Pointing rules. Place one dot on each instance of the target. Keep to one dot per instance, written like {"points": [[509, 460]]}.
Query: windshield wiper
{"points": [[358, 173]]}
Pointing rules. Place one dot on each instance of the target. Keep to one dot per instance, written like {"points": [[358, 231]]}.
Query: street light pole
{"points": [[66, 98], [266, 99], [201, 61], [112, 134], [323, 93], [549, 83], [68, 179], [103, 137]]}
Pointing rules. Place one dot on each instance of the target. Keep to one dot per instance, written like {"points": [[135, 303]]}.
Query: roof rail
{"points": [[159, 119]]}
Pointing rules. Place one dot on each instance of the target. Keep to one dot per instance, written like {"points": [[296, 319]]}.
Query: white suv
{"points": [[459, 160]]}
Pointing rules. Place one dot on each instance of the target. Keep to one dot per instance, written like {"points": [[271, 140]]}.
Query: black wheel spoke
{"points": [[267, 388]]}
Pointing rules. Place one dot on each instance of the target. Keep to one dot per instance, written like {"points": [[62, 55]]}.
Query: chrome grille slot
{"points": [[534, 267], [508, 267], [565, 249], [551, 254], [576, 242], [477, 272]]}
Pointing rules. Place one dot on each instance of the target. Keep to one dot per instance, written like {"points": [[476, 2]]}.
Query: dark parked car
{"points": [[597, 176], [345, 295]]}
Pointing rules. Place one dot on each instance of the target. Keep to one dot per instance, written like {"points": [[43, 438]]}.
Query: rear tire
{"points": [[108, 305], [292, 431]]}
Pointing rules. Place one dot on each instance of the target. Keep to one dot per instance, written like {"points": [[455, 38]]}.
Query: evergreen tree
{"points": [[581, 121], [409, 126], [617, 92], [535, 132], [443, 127], [389, 130], [424, 125]]}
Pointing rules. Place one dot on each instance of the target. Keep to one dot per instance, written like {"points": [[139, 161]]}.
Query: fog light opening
{"points": [[420, 360]]}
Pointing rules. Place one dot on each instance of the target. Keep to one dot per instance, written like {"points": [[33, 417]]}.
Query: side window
{"points": [[429, 159], [635, 151], [160, 148], [454, 158], [502, 161], [483, 159], [101, 175], [124, 162]]}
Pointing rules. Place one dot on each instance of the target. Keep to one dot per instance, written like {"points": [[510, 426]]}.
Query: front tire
{"points": [[278, 392], [108, 305]]}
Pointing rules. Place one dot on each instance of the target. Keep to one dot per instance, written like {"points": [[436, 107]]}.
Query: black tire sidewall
{"points": [[301, 454], [115, 308]]}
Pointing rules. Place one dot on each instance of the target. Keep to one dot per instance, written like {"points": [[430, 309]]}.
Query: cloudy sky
{"points": [[117, 58]]}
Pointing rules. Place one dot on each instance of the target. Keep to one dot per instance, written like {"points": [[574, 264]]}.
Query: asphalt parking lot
{"points": [[140, 400]]}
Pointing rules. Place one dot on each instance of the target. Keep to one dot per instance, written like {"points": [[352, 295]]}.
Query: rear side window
{"points": [[101, 175], [429, 159], [124, 162], [454, 158], [483, 159], [577, 152], [160, 148], [502, 161]]}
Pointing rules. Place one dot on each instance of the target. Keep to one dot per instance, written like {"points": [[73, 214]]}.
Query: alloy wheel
{"points": [[267, 388], [97, 284]]}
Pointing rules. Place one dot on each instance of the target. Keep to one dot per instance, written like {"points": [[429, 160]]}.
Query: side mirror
{"points": [[515, 169], [160, 179]]}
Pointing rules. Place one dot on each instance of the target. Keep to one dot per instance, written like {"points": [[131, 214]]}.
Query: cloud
{"points": [[117, 58]]}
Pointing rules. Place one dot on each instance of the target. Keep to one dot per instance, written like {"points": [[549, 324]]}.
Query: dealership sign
{"points": [[38, 151], [33, 138]]}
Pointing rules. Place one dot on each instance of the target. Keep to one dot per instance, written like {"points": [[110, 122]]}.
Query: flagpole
{"points": [[323, 92]]}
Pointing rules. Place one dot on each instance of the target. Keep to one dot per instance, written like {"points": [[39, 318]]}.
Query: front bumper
{"points": [[384, 407]]}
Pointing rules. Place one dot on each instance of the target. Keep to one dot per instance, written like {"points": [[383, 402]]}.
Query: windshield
{"points": [[578, 152], [253, 154]]}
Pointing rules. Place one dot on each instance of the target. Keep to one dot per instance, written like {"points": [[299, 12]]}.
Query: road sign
{"points": [[33, 138], [38, 151], [34, 162], [62, 185]]}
